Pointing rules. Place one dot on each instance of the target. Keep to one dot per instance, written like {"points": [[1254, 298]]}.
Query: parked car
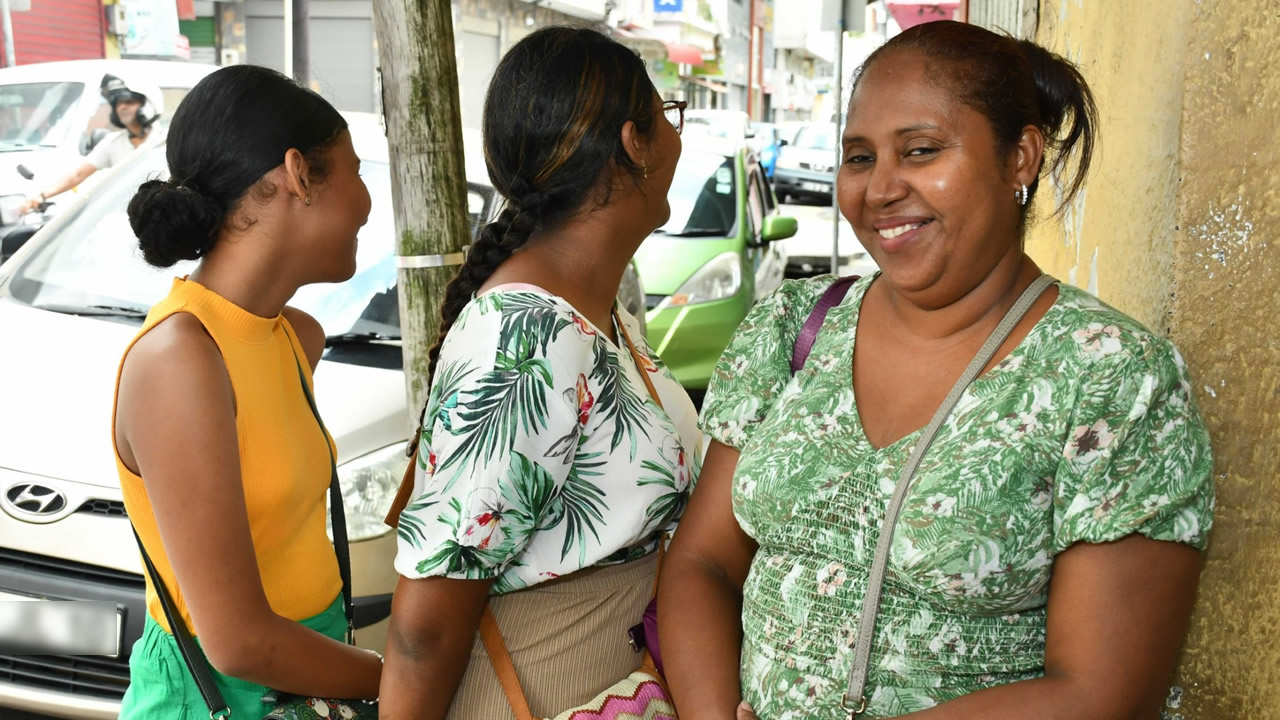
{"points": [[70, 302], [52, 115], [731, 125], [807, 167], [766, 143], [717, 255]]}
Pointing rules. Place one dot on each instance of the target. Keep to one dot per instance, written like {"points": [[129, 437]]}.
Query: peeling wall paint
{"points": [[1178, 230]]}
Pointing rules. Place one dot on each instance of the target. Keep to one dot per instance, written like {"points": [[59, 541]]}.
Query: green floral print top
{"points": [[1087, 432], [543, 452]]}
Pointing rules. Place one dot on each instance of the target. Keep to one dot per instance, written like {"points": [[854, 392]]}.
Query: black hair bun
{"points": [[173, 222]]}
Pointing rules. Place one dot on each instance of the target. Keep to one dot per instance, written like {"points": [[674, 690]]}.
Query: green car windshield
{"points": [[703, 196]]}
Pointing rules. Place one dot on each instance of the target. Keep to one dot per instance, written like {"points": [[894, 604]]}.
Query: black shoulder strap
{"points": [[194, 658]]}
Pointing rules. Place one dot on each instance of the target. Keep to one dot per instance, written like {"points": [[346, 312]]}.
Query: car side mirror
{"points": [[778, 227]]}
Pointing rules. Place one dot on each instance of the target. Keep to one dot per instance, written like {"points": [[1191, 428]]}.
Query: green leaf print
{"points": [[503, 403], [470, 561], [443, 398], [617, 402], [412, 529], [531, 492], [668, 504], [533, 319], [583, 503]]}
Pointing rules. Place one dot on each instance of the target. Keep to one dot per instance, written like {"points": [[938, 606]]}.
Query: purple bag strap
{"points": [[833, 296]]}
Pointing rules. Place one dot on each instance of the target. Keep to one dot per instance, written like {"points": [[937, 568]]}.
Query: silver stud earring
{"points": [[645, 168], [1021, 195], [308, 201]]}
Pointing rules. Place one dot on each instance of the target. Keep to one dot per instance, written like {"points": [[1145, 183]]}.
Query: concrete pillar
{"points": [[1178, 227]]}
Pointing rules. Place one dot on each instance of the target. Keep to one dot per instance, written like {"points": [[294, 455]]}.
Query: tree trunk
{"points": [[428, 180]]}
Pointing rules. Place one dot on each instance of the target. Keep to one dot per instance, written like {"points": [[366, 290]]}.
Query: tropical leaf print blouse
{"points": [[542, 452], [1086, 432]]}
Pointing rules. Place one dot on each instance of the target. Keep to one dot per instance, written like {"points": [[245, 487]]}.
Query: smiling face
{"points": [[922, 183]]}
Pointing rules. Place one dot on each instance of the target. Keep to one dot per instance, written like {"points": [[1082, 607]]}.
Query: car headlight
{"points": [[11, 208], [719, 279], [369, 485]]}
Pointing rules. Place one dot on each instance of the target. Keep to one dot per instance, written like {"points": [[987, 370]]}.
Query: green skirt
{"points": [[160, 687]]}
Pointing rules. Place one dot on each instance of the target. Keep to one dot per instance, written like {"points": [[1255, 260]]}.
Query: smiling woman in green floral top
{"points": [[1046, 558]]}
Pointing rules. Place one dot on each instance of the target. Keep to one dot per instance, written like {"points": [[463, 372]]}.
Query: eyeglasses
{"points": [[674, 110]]}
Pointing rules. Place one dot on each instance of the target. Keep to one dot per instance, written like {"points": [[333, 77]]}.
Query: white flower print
{"points": [[941, 505], [831, 578], [1088, 442], [1098, 339]]}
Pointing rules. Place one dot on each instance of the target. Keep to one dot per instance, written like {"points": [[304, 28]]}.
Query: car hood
{"points": [[666, 262], [57, 388]]}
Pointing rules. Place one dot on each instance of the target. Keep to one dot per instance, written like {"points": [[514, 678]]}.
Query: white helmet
{"points": [[114, 89]]}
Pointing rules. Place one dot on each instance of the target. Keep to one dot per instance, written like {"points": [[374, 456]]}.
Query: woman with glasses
{"points": [[555, 449]]}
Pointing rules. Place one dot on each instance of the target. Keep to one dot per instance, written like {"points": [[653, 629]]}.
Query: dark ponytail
{"points": [[552, 126], [233, 128], [1013, 83]]}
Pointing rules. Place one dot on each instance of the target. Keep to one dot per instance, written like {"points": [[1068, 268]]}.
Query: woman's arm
{"points": [[433, 627], [176, 426], [1118, 613], [700, 596]]}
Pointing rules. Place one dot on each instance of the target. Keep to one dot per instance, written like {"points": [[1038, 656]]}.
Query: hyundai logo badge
{"points": [[33, 501]]}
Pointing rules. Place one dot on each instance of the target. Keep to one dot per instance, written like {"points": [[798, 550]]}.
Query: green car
{"points": [[717, 255]]}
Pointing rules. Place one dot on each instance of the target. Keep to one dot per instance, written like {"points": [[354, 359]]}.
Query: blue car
{"points": [[766, 142]]}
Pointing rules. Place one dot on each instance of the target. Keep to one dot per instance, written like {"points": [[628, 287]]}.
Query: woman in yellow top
{"points": [[223, 465]]}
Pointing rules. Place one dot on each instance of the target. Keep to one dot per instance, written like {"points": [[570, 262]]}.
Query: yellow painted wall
{"points": [[1179, 225]]}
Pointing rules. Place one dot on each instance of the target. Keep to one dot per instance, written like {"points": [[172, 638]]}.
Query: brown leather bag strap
{"points": [[405, 493], [502, 665], [637, 358]]}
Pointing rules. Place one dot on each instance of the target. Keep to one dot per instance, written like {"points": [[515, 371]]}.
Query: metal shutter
{"points": [[59, 30]]}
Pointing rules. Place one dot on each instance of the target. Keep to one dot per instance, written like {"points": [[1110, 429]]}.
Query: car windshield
{"points": [[36, 114], [703, 196], [816, 137], [92, 261]]}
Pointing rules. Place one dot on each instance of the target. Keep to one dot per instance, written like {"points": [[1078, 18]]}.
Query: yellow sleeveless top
{"points": [[284, 465]]}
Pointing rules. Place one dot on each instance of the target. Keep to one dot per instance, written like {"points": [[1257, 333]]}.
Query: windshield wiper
{"points": [[364, 338], [700, 232], [120, 311]]}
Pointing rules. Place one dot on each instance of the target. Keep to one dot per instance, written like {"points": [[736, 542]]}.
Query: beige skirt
{"points": [[567, 638]]}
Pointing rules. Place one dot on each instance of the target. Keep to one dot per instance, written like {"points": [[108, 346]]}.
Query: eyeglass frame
{"points": [[678, 105]]}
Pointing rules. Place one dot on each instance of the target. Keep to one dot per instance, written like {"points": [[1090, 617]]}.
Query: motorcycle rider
{"points": [[134, 110]]}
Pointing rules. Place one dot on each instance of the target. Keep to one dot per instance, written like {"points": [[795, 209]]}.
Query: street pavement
{"points": [[812, 242]]}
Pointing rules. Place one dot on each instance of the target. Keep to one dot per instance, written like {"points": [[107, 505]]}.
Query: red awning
{"points": [[186, 9], [686, 54]]}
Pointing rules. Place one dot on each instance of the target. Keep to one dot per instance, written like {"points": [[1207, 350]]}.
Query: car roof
{"points": [[161, 72]]}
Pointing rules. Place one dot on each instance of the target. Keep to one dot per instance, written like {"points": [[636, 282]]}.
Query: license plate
{"points": [[59, 615], [815, 187]]}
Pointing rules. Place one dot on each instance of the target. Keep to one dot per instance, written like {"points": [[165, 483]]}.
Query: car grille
{"points": [[68, 568], [653, 301], [111, 508], [78, 675], [89, 676], [816, 167]]}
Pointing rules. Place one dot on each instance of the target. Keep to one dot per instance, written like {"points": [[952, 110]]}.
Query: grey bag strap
{"points": [[871, 604]]}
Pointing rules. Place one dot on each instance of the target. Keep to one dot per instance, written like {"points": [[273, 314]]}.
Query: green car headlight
{"points": [[719, 279]]}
